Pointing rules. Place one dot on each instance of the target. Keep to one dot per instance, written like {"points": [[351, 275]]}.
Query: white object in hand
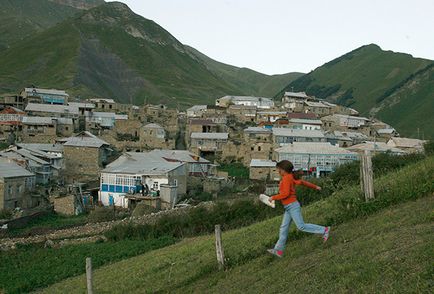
{"points": [[266, 200]]}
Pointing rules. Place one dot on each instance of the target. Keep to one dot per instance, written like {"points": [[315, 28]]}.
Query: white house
{"points": [[126, 175], [259, 102], [318, 157]]}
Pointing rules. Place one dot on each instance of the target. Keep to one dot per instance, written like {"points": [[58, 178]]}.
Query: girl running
{"points": [[292, 207]]}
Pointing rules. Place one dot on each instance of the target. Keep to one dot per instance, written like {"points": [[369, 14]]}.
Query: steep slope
{"points": [[110, 51], [409, 106], [20, 19], [249, 81], [360, 77], [367, 251]]}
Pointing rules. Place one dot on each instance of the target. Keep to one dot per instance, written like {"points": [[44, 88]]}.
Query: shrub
{"points": [[5, 214], [102, 214], [143, 209]]}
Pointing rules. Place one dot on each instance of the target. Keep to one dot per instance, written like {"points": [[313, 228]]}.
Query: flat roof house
{"points": [[259, 102], [125, 176], [320, 157], [263, 169], [283, 136], [208, 142], [45, 96], [406, 144]]}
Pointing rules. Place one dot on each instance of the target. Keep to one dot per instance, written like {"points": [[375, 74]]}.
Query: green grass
{"points": [[190, 265], [49, 222], [31, 267], [236, 169]]}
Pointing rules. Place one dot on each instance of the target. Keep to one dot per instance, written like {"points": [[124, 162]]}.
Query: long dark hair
{"points": [[287, 166]]}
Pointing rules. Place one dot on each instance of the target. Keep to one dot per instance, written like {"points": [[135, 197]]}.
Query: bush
{"points": [[5, 214], [429, 147], [143, 209], [102, 214]]}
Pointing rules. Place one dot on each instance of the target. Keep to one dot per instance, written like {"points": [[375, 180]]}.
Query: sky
{"points": [[278, 36]]}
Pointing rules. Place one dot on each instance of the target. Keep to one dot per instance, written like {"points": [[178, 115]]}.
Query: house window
{"points": [[155, 186], [175, 182], [66, 128], [259, 148]]}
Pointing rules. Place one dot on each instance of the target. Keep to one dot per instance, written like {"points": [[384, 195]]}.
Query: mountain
{"points": [[248, 80], [409, 106], [364, 78], [109, 51], [21, 19]]}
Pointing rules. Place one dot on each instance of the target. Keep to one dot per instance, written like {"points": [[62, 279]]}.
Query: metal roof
{"points": [[257, 130], [153, 126], [85, 139], [139, 163], [81, 104], [178, 155], [287, 132], [42, 120], [247, 98], [51, 108], [375, 146], [406, 142], [306, 121], [316, 104], [105, 100], [262, 163], [313, 148], [9, 169], [199, 121], [296, 94], [46, 91], [220, 136], [57, 148]]}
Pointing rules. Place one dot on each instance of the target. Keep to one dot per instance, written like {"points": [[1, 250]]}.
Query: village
{"points": [[71, 156]]}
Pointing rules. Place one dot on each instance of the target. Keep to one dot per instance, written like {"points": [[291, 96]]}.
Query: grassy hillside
{"points": [[364, 78], [249, 81], [410, 105], [388, 251], [20, 19]]}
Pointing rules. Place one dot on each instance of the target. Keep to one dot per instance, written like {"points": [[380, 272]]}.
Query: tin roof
{"points": [[46, 91], [9, 169], [258, 130], [85, 139], [262, 163], [51, 108], [215, 136], [178, 155], [296, 94], [288, 132], [313, 148]]}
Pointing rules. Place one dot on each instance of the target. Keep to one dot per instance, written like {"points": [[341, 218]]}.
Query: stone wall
{"points": [[263, 173], [82, 163], [65, 205]]}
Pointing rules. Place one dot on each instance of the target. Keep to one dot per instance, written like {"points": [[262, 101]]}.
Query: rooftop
{"points": [[262, 163], [84, 139], [258, 130], [207, 122], [246, 98], [140, 163], [376, 147], [296, 94], [57, 148], [305, 121], [316, 104], [313, 148], [153, 126], [35, 107], [407, 142], [105, 100], [302, 115], [287, 132], [42, 120], [215, 136], [9, 169], [46, 91], [178, 155]]}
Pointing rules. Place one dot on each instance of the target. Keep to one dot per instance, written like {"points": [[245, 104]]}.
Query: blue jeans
{"points": [[293, 212]]}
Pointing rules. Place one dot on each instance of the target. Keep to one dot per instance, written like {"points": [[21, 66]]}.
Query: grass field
{"points": [[392, 241]]}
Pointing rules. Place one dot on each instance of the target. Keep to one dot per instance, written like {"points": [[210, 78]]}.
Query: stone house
{"points": [[202, 143], [302, 115], [258, 102], [16, 183], [319, 108], [11, 100], [123, 180], [340, 122], [320, 158], [243, 113], [294, 101], [270, 116], [196, 111], [85, 155], [282, 136], [153, 135], [44, 96], [37, 129], [263, 169], [407, 144], [374, 148], [103, 104], [199, 125], [305, 124], [10, 123], [345, 139]]}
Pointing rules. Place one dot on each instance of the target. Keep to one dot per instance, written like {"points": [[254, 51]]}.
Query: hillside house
{"points": [[196, 111], [318, 107], [153, 135], [103, 104], [305, 124], [196, 166], [270, 116], [83, 107], [85, 155], [53, 153], [11, 100], [202, 143], [375, 147], [294, 101], [37, 129], [340, 122], [263, 169], [321, 158], [16, 183], [387, 133], [123, 180], [258, 102], [10, 123], [202, 126], [56, 111], [44, 96], [257, 134], [243, 113], [345, 139], [282, 136], [302, 115], [407, 144]]}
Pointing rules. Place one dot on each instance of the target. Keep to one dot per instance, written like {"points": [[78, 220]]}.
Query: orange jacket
{"points": [[287, 189]]}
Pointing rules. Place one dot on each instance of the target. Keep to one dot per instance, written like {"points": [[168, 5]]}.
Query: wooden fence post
{"points": [[367, 176], [89, 275], [219, 247]]}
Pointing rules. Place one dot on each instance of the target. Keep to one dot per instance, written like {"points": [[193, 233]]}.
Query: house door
{"points": [[111, 200]]}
